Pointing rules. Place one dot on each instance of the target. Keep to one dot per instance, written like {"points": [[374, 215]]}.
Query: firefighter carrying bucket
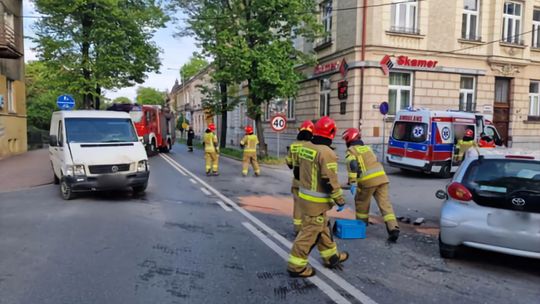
{"points": [[249, 144]]}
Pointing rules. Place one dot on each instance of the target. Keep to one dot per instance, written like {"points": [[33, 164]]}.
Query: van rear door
{"points": [[409, 139]]}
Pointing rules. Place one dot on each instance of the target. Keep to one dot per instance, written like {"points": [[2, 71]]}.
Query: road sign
{"points": [[65, 102], [384, 107], [278, 123]]}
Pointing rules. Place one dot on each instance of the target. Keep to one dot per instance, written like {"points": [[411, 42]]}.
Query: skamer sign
{"points": [[404, 61]]}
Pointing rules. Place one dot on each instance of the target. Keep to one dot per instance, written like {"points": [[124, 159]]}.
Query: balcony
{"points": [[9, 43]]}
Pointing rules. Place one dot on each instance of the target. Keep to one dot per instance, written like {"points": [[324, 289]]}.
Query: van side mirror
{"points": [[441, 194], [498, 142], [53, 141]]}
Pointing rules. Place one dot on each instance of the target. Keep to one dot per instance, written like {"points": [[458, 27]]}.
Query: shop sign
{"points": [[327, 67], [387, 63]]}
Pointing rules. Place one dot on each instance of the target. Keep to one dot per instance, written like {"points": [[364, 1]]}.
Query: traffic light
{"points": [[342, 90]]}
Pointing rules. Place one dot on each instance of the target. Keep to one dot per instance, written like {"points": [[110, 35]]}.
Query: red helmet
{"points": [[307, 126], [249, 129], [325, 127], [469, 133], [212, 127], [350, 135]]}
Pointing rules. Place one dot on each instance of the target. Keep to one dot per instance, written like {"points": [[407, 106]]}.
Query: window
{"points": [[10, 97], [404, 16], [291, 104], [502, 90], [512, 23], [536, 29], [467, 100], [326, 18], [469, 22], [534, 98], [60, 134], [410, 131], [399, 92], [324, 94]]}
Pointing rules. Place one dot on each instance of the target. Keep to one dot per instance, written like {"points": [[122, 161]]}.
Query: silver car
{"points": [[493, 203]]}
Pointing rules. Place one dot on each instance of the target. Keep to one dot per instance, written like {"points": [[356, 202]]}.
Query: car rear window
{"points": [[410, 131], [505, 183]]}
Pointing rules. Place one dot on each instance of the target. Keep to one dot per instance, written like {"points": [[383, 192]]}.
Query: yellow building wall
{"points": [[13, 138]]}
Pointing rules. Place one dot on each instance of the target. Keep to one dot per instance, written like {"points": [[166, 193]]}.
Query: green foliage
{"points": [[98, 44], [150, 96], [122, 99], [195, 64]]}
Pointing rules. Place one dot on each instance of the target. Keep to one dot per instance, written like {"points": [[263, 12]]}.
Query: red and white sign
{"points": [[404, 61], [327, 67], [278, 123]]}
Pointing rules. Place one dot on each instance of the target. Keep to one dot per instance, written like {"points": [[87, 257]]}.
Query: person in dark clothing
{"points": [[190, 136]]}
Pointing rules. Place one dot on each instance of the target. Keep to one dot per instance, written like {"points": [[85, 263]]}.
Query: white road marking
{"points": [[192, 181], [173, 164], [206, 192], [224, 206], [349, 288], [323, 286]]}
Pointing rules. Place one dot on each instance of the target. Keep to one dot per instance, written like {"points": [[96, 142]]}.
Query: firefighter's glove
{"points": [[353, 189], [340, 202], [340, 208]]}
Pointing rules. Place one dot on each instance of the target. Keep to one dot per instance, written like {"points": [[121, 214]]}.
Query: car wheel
{"points": [[56, 180], [138, 190], [65, 190], [447, 251], [445, 171]]}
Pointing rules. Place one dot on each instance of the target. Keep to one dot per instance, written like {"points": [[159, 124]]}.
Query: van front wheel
{"points": [[446, 170], [65, 190]]}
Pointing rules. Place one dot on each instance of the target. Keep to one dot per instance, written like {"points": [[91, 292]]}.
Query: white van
{"points": [[96, 150]]}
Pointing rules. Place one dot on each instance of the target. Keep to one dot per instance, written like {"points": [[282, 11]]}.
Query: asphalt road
{"points": [[176, 244]]}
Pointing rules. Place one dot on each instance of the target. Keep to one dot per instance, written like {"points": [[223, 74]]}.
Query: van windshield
{"points": [[100, 130], [410, 131]]}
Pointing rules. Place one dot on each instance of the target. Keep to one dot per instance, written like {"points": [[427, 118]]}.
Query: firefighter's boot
{"points": [[306, 273], [336, 260], [393, 235]]}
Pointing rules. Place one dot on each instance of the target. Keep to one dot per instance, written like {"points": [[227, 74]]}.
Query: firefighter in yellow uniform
{"points": [[249, 144], [464, 145], [304, 135], [211, 150], [366, 173], [319, 190]]}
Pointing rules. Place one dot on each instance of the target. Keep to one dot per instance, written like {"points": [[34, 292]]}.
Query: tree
{"points": [[253, 40], [122, 99], [146, 95], [98, 44], [195, 64]]}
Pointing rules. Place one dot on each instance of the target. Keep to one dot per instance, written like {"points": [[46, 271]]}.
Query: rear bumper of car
{"points": [[469, 225], [107, 181]]}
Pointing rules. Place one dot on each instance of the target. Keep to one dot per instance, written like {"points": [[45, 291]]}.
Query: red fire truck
{"points": [[154, 124]]}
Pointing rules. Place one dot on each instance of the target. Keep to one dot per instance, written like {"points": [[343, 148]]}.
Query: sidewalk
{"points": [[27, 170]]}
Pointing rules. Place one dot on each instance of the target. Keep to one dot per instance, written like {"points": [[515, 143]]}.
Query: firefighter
{"points": [[486, 142], [305, 133], [318, 192], [211, 150], [190, 136], [367, 174], [249, 144], [465, 144]]}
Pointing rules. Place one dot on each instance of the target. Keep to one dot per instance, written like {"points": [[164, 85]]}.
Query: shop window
{"points": [[469, 21], [326, 19], [536, 29], [399, 92], [534, 98], [404, 17], [467, 101], [291, 107], [512, 23], [324, 95], [10, 97]]}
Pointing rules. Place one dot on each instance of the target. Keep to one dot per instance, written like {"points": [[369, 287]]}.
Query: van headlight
{"points": [[75, 170], [142, 166]]}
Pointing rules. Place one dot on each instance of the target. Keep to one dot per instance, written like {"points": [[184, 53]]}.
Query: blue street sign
{"points": [[65, 102], [384, 108]]}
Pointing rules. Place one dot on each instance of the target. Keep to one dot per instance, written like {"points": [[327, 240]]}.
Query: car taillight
{"points": [[459, 192]]}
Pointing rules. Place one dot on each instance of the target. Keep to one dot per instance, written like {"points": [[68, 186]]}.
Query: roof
{"points": [[92, 114], [503, 153], [449, 113]]}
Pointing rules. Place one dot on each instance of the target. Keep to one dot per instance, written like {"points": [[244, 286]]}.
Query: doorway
{"points": [[501, 109]]}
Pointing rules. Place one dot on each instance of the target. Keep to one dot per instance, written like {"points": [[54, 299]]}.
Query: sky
{"points": [[175, 52]]}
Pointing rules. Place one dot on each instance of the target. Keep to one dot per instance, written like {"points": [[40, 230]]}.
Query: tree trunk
{"points": [[223, 110], [263, 149], [97, 98], [85, 53]]}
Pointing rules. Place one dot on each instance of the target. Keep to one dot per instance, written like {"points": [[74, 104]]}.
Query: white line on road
{"points": [[206, 192], [323, 286], [353, 291], [192, 181], [224, 206], [173, 164]]}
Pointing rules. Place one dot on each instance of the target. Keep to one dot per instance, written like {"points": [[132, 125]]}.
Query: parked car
{"points": [[96, 150], [493, 203]]}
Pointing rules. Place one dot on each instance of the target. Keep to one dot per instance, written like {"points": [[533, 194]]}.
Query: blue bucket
{"points": [[350, 229]]}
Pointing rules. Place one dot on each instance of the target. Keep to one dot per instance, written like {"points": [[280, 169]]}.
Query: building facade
{"points": [[469, 55], [13, 137]]}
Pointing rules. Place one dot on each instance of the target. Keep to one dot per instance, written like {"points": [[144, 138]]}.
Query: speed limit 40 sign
{"points": [[278, 123]]}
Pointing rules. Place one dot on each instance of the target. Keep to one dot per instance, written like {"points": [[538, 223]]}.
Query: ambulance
{"points": [[424, 140]]}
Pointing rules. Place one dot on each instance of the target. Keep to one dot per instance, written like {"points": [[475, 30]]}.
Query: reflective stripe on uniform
{"points": [[297, 221], [297, 261], [337, 193], [353, 175], [250, 150], [362, 215], [332, 166], [315, 197], [376, 172], [328, 252], [389, 217]]}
